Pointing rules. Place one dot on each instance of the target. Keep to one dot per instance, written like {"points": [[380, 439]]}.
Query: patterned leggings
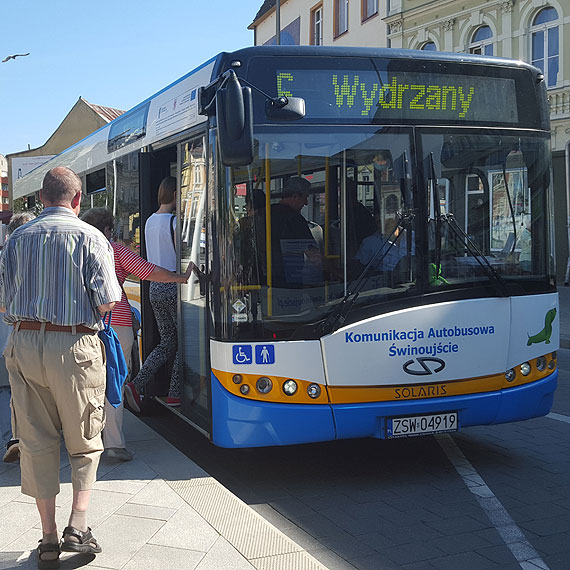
{"points": [[163, 298]]}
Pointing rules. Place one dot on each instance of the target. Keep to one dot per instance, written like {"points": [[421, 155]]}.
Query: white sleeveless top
{"points": [[159, 246]]}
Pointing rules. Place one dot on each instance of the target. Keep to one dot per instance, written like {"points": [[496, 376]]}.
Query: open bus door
{"points": [[193, 330], [186, 161], [153, 167]]}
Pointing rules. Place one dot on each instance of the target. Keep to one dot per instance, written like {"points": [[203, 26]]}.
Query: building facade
{"points": [[336, 22], [4, 196], [83, 119], [535, 31]]}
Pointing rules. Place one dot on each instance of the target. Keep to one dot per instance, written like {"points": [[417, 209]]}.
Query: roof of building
{"points": [[265, 7], [104, 115], [107, 113]]}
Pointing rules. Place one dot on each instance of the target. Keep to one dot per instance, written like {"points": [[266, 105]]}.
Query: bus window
{"points": [[321, 209], [496, 200]]}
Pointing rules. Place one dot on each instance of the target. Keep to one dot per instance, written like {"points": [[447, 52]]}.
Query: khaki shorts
{"points": [[58, 385]]}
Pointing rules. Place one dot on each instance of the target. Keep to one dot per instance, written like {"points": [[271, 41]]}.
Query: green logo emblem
{"points": [[545, 334]]}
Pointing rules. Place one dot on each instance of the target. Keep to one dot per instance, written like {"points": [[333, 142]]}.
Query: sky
{"points": [[112, 53]]}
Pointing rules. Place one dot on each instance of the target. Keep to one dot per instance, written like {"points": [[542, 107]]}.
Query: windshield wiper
{"points": [[337, 318], [470, 245], [479, 256], [437, 214]]}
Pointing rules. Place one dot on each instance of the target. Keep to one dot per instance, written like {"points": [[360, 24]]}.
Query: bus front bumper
{"points": [[239, 422]]}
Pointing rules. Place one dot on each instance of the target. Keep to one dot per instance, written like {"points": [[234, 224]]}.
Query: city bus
{"points": [[374, 232]]}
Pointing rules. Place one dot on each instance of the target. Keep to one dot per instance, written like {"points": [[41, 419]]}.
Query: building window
{"points": [[369, 9], [545, 44], [428, 46], [482, 41], [317, 26], [340, 17]]}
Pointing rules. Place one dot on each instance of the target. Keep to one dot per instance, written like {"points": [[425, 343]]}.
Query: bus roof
{"points": [[389, 53], [173, 109]]}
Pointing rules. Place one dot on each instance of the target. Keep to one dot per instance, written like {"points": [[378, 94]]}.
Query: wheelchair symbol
{"points": [[242, 354]]}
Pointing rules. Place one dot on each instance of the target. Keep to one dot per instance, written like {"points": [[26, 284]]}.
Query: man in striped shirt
{"points": [[57, 277]]}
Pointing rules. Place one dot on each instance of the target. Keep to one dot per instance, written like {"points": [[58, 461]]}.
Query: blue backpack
{"points": [[116, 364]]}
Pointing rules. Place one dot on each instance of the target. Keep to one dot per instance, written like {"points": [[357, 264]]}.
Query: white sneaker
{"points": [[119, 453]]}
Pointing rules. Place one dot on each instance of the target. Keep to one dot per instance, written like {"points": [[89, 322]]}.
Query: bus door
{"points": [[192, 330], [153, 167]]}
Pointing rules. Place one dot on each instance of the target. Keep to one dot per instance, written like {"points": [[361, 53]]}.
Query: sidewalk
{"points": [[564, 306], [159, 511]]}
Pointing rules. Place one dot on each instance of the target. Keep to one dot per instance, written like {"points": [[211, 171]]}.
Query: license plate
{"points": [[421, 425]]}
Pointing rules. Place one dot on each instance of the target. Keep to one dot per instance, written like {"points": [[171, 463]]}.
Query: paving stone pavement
{"points": [[158, 511]]}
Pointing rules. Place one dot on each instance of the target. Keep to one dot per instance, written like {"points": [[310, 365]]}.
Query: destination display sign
{"points": [[400, 95]]}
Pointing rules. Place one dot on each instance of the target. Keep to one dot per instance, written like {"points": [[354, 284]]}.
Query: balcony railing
{"points": [[559, 103]]}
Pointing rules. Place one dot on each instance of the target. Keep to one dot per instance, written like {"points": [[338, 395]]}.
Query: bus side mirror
{"points": [[234, 118], [293, 109]]}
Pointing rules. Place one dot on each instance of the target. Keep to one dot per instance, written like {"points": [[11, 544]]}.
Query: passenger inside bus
{"points": [[383, 162], [361, 222], [295, 254], [386, 252]]}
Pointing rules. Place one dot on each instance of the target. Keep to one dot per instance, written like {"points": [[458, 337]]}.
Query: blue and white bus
{"points": [[411, 291]]}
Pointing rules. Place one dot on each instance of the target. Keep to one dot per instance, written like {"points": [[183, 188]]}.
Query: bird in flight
{"points": [[14, 56]]}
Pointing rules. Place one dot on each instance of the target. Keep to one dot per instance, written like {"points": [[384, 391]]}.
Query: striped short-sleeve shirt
{"points": [[57, 269], [127, 263]]}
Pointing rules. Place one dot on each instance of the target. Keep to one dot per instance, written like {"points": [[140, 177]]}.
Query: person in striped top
{"points": [[126, 263], [57, 278]]}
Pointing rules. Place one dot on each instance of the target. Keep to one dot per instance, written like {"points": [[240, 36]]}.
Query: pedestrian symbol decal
{"points": [[242, 354], [265, 354]]}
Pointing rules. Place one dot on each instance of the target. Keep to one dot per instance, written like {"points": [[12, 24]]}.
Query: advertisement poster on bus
{"points": [[176, 109], [21, 165]]}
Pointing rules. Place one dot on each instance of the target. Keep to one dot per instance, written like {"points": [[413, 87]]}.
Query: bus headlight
{"points": [[510, 375], [525, 368], [540, 363], [290, 387], [552, 364], [244, 389], [313, 390], [264, 385], [237, 378]]}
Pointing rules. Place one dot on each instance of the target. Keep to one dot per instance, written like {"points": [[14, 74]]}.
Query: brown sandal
{"points": [[47, 563], [86, 542]]}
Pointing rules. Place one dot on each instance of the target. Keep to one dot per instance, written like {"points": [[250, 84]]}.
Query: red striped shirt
{"points": [[127, 263]]}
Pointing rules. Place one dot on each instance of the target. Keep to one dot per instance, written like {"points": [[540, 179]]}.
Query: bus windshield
{"points": [[323, 208], [487, 200]]}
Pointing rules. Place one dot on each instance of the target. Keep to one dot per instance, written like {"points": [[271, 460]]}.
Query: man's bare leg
{"points": [[46, 508]]}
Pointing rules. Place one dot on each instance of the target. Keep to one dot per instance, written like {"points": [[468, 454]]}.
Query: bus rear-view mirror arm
{"points": [[232, 105]]}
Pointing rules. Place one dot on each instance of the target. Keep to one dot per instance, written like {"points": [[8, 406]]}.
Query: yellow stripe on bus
{"points": [[392, 393], [398, 393]]}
